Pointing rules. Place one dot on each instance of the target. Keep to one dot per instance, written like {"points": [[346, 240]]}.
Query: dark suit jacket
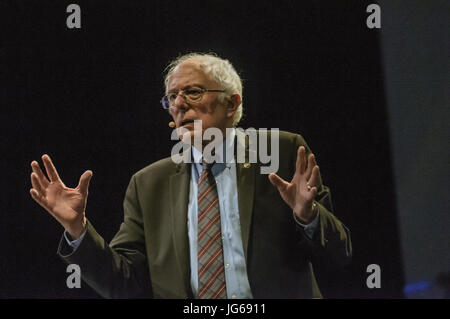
{"points": [[149, 256]]}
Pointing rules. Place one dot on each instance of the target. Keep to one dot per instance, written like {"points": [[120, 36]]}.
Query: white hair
{"points": [[219, 70]]}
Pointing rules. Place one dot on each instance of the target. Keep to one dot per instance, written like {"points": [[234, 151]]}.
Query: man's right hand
{"points": [[66, 205]]}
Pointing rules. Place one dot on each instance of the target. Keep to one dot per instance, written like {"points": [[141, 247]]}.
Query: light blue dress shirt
{"points": [[237, 283], [233, 252]]}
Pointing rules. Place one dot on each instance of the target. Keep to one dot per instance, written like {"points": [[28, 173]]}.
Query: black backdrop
{"points": [[89, 98]]}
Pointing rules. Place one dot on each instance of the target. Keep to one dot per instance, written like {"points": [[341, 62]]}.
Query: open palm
{"points": [[66, 205], [300, 192]]}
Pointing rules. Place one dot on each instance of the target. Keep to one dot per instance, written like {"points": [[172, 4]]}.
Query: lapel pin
{"points": [[247, 165]]}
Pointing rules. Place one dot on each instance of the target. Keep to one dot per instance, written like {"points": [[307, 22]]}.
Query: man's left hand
{"points": [[299, 194]]}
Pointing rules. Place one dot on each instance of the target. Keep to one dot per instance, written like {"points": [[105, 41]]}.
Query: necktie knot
{"points": [[207, 166]]}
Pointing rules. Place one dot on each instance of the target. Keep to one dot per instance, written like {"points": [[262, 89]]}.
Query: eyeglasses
{"points": [[190, 95]]}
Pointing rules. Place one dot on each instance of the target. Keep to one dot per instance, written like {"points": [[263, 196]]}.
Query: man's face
{"points": [[209, 110]]}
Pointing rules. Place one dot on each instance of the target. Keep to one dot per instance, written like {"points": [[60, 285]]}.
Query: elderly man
{"points": [[205, 230]]}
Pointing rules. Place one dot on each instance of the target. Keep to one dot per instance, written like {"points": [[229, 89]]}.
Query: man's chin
{"points": [[187, 135]]}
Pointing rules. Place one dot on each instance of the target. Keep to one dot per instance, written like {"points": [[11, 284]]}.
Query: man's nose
{"points": [[180, 102]]}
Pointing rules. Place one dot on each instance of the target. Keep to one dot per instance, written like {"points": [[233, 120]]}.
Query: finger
{"points": [[36, 183], [34, 193], [313, 192], [37, 197], [315, 177], [311, 164], [301, 160], [298, 162], [278, 182], [50, 168], [83, 184], [37, 169]]}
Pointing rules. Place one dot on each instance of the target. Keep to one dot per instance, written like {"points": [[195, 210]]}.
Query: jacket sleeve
{"points": [[331, 243], [120, 269]]}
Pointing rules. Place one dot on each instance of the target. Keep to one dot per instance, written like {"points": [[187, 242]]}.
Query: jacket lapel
{"points": [[179, 194], [246, 186]]}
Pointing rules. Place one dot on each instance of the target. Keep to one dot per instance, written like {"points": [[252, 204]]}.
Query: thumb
{"points": [[83, 185], [278, 182]]}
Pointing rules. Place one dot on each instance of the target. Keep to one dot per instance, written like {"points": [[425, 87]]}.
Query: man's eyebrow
{"points": [[187, 87]]}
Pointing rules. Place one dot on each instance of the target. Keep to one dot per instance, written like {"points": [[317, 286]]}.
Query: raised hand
{"points": [[66, 205], [299, 194]]}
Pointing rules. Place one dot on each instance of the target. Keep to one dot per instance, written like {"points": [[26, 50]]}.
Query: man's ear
{"points": [[233, 102]]}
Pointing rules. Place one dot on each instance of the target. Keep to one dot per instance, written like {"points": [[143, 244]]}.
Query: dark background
{"points": [[415, 42], [89, 98]]}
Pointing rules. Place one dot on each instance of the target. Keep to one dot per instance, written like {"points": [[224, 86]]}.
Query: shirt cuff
{"points": [[74, 243], [308, 228]]}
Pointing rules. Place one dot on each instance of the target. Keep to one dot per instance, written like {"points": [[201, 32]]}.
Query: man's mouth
{"points": [[184, 122]]}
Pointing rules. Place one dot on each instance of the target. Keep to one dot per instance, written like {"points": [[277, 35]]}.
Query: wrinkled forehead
{"points": [[189, 73]]}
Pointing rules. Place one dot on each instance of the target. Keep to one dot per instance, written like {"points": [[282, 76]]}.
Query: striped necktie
{"points": [[211, 272]]}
